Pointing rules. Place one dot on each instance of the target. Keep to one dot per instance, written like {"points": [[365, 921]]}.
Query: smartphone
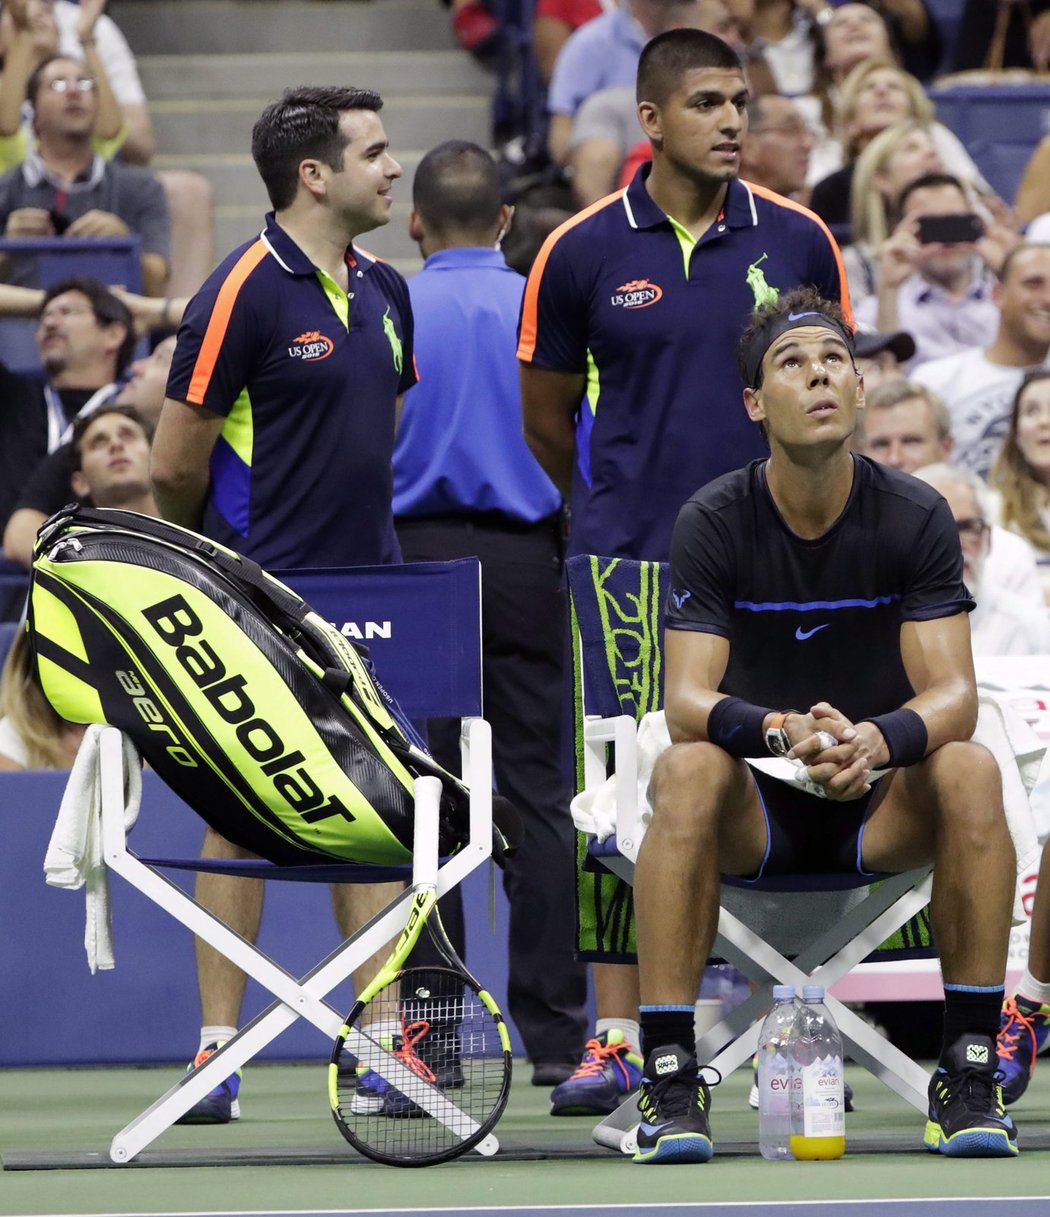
{"points": [[952, 229]]}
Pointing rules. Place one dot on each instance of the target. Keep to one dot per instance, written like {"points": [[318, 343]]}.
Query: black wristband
{"points": [[735, 725], [905, 735]]}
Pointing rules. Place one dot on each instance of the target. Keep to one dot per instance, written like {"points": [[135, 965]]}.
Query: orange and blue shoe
{"points": [[219, 1106], [674, 1101], [608, 1073], [967, 1118], [1024, 1029]]}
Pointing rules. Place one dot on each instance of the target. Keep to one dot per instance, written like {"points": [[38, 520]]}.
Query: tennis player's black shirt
{"points": [[816, 620]]}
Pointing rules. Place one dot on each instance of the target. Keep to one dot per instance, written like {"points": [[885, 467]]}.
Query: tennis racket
{"points": [[420, 1069]]}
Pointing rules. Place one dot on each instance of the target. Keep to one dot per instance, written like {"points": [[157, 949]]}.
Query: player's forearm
{"points": [[948, 710], [180, 501]]}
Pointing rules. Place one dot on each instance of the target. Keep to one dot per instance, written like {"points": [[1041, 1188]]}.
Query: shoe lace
{"points": [[595, 1055], [411, 1034], [977, 1086], [676, 1095], [1017, 1025]]}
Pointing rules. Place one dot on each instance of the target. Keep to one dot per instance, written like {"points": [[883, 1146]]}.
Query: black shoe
{"points": [[552, 1071], [674, 1100], [967, 1117]]}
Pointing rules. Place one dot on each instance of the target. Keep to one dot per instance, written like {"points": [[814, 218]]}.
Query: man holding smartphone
{"points": [[937, 271]]}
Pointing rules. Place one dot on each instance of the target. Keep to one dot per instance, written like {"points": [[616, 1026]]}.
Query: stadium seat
{"points": [[428, 608], [787, 930]]}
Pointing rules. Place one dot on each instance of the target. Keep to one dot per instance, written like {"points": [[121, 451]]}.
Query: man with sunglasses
{"points": [[65, 188]]}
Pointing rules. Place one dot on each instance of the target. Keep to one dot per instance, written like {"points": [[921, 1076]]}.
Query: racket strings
{"points": [[435, 1024]]}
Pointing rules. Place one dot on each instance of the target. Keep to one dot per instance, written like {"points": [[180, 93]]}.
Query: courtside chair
{"points": [[786, 930], [424, 625]]}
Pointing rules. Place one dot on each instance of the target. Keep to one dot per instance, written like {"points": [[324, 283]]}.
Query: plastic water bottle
{"points": [[818, 1104], [776, 1075]]}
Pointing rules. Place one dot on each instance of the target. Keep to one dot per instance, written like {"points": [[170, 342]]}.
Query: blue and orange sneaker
{"points": [[967, 1117], [219, 1106], [1024, 1028], [608, 1074], [674, 1101]]}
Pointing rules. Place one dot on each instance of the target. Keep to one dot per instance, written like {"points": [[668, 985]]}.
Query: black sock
{"points": [[970, 1010], [663, 1025]]}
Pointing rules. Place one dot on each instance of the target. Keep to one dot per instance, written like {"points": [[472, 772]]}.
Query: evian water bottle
{"points": [[818, 1105], [776, 1071]]}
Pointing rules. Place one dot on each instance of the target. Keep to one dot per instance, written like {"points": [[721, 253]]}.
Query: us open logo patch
{"points": [[639, 293], [311, 346]]}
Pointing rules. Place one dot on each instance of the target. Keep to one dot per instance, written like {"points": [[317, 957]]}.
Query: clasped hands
{"points": [[839, 755]]}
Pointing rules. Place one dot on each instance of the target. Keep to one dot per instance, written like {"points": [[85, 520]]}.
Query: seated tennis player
{"points": [[817, 611]]}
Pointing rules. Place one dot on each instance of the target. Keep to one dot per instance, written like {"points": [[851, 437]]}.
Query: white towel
{"points": [[74, 857], [1012, 742]]}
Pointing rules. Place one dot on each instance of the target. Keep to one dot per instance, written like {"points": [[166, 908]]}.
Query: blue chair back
{"points": [[116, 261]]}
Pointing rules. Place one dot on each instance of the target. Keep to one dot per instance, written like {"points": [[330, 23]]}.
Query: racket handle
{"points": [[427, 793]]}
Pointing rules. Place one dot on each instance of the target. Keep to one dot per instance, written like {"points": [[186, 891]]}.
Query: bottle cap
{"points": [[783, 992], [812, 992]]}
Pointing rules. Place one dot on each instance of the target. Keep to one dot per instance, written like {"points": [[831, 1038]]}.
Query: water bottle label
{"points": [[823, 1102], [775, 1082]]}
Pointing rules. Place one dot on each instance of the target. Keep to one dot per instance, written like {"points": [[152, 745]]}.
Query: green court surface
{"points": [[286, 1155]]}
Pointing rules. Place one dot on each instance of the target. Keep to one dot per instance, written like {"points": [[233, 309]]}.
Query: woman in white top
{"points": [[32, 735], [1020, 475]]}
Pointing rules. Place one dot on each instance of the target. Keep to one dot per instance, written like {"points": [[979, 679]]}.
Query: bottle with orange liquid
{"points": [[818, 1105]]}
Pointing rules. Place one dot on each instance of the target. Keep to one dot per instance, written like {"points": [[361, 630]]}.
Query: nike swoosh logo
{"points": [[802, 634], [799, 316], [651, 1129]]}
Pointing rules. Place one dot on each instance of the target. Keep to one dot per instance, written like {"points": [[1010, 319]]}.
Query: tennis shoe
{"points": [[432, 1056], [1024, 1029], [608, 1073], [674, 1101], [219, 1106], [967, 1117]]}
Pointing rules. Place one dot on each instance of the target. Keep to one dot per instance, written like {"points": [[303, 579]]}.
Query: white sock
{"points": [[632, 1033], [215, 1035], [1032, 989]]}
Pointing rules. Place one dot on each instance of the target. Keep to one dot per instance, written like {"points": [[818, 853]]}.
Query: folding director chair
{"points": [[786, 930], [424, 621]]}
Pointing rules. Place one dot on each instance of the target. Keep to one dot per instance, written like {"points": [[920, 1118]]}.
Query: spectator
{"points": [[109, 455], [1033, 194], [786, 33], [1021, 473], [478, 31], [776, 150], [466, 485], [1003, 623], [887, 684], [890, 161], [880, 356], [876, 95], [65, 188], [907, 427], [553, 21], [627, 384], [48, 486], [941, 293], [603, 53], [59, 27], [85, 341], [32, 736], [30, 38], [266, 350], [979, 384]]}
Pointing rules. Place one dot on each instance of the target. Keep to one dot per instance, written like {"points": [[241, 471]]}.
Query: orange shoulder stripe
{"points": [[220, 321], [772, 197], [527, 341]]}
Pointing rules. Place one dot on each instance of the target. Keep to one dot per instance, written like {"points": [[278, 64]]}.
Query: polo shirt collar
{"points": [[739, 210], [464, 257], [292, 259], [35, 172]]}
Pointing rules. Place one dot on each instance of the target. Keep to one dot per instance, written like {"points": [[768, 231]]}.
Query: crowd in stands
{"points": [[837, 137]]}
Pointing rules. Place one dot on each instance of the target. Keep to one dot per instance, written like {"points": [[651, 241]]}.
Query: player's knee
{"points": [[968, 786], [688, 782]]}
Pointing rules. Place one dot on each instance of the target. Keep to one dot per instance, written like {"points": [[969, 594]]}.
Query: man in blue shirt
{"points": [[465, 484], [277, 431]]}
